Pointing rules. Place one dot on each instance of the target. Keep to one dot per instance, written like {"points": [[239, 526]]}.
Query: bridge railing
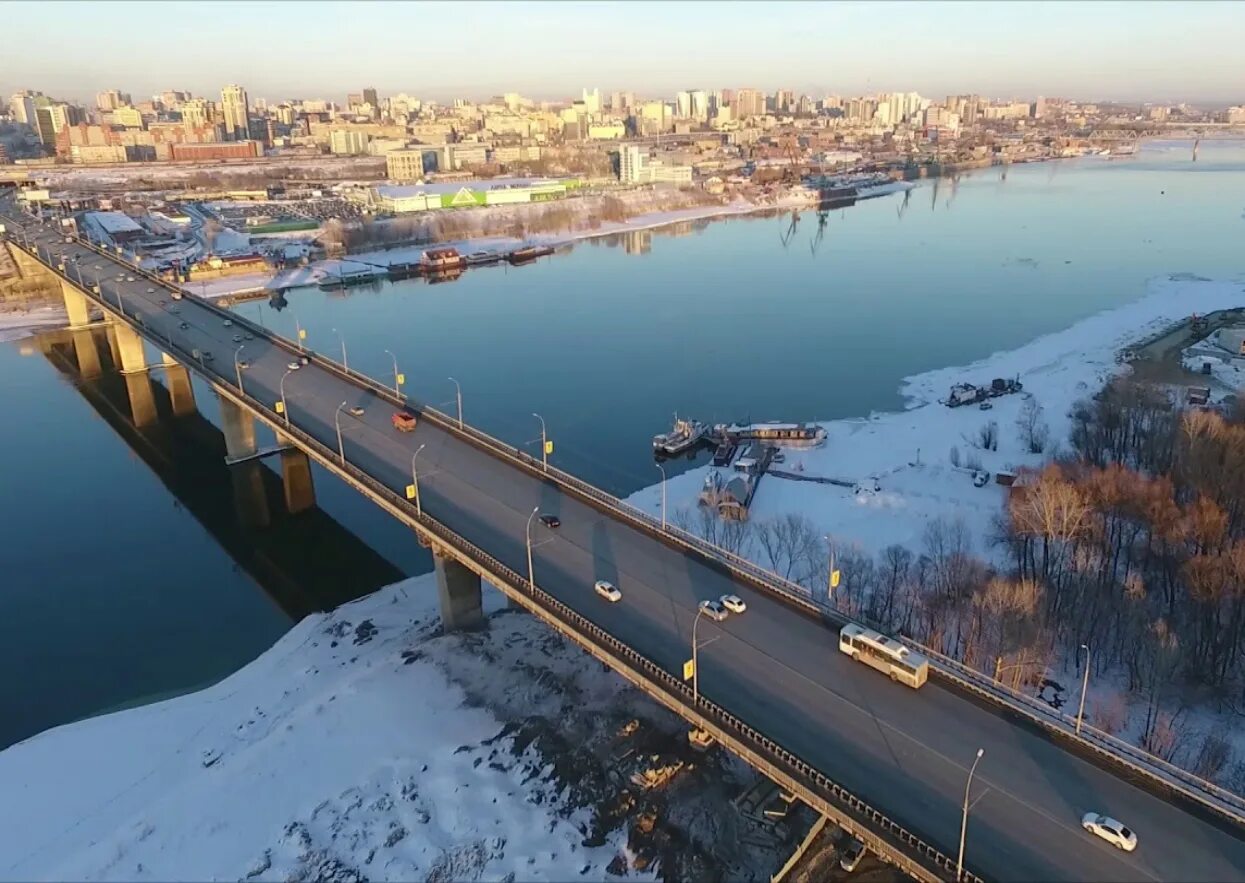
{"points": [[1095, 742]]}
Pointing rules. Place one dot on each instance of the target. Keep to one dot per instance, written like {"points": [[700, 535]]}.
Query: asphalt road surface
{"points": [[907, 752]]}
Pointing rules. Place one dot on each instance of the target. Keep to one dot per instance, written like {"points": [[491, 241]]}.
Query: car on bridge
{"points": [[356, 411], [607, 590], [551, 521], [733, 603], [403, 422], [1110, 830], [714, 610]]}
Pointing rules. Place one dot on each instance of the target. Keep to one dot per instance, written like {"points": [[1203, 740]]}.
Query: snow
{"points": [[24, 323], [906, 455], [346, 751]]}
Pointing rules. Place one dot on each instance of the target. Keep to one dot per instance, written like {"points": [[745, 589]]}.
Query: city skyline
{"points": [[1090, 51]]}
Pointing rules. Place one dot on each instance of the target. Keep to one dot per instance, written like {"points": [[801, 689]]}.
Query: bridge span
{"points": [[886, 762]]}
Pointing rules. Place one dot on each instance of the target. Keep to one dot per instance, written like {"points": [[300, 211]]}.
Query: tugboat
{"points": [[685, 434]]}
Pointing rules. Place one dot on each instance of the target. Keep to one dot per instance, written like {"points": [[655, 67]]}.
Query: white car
{"points": [[293, 366], [1110, 830], [229, 323], [608, 591], [714, 610], [734, 603], [151, 291]]}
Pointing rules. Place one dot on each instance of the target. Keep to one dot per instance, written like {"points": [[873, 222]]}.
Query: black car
{"points": [[550, 521]]}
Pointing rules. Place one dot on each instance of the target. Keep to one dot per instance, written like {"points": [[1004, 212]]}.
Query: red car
{"points": [[403, 422]]}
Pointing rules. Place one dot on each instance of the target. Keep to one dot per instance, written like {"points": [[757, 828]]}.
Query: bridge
{"points": [[887, 763]]}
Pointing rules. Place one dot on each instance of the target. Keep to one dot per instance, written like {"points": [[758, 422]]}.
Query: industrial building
{"points": [[398, 199], [404, 165]]}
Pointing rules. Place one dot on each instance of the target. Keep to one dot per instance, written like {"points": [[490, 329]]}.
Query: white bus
{"points": [[885, 654]]}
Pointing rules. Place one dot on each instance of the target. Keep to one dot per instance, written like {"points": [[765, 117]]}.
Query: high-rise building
{"points": [[197, 113], [173, 98], [369, 97], [236, 112], [749, 103], [783, 101], [699, 105], [683, 105], [592, 100], [128, 116], [111, 100], [23, 105], [631, 163]]}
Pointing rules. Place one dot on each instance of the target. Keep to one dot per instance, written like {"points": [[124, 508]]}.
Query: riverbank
{"points": [[905, 470], [401, 753]]}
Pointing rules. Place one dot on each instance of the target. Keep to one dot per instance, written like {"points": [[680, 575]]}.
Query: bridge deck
{"points": [[906, 752]]}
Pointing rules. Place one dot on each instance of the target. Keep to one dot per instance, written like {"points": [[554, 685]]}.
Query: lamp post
{"points": [[695, 656], [285, 409], [458, 395], [959, 865], [531, 576], [544, 443], [1080, 712], [337, 422], [415, 481], [237, 365], [299, 335], [345, 364], [663, 494], [396, 375]]}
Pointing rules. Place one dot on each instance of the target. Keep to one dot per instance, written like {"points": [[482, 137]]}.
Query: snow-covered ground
{"points": [[907, 455], [356, 748], [502, 244]]}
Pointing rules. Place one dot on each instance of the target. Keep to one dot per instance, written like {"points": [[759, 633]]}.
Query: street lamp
{"points": [[695, 659], [345, 364], [959, 865], [663, 494], [299, 336], [237, 365], [415, 482], [531, 577], [285, 409], [459, 395], [396, 375], [1080, 712], [544, 442], [337, 422]]}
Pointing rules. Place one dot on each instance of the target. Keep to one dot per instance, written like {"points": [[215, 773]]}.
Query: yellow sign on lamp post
{"points": [[280, 407], [689, 669], [549, 447], [401, 379], [410, 491]]}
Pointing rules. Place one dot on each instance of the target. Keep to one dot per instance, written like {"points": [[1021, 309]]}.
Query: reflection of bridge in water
{"points": [[303, 559]]}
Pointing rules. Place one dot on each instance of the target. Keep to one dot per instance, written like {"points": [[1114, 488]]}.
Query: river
{"points": [[128, 573]]}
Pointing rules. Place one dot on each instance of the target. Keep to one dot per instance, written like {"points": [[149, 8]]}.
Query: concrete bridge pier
{"points": [[250, 500], [239, 429], [129, 348], [300, 491], [142, 398], [181, 393], [86, 352], [458, 589], [76, 305]]}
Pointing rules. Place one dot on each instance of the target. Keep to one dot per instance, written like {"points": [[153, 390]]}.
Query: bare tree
{"points": [[1034, 431]]}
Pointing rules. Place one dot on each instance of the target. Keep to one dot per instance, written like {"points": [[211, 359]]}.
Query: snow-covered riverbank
{"points": [[901, 468], [344, 752]]}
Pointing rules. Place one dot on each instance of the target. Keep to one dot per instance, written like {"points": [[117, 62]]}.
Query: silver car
{"points": [[714, 610], [1109, 830]]}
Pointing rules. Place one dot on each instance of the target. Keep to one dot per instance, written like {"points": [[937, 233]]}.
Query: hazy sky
{"points": [[1126, 50]]}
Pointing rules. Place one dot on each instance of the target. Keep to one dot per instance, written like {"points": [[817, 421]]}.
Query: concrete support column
{"points": [[129, 348], [181, 393], [458, 589], [86, 352], [250, 500], [239, 428], [300, 492], [142, 398], [76, 305]]}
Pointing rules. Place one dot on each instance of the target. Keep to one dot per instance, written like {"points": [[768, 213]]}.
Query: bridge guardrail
{"points": [[1097, 743]]}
